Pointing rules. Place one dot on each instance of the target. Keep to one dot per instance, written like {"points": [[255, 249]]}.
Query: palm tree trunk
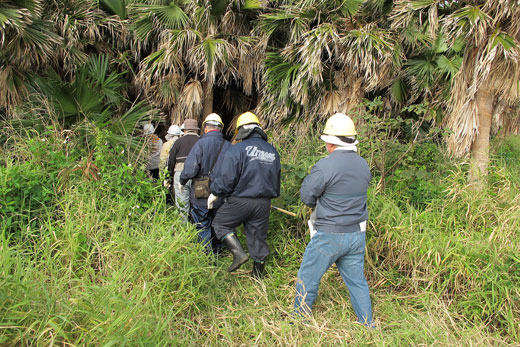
{"points": [[479, 153], [207, 103]]}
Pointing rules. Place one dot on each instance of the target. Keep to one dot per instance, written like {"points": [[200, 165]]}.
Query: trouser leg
{"points": [[182, 196], [228, 217], [351, 267], [318, 257], [217, 245], [202, 218], [255, 228]]}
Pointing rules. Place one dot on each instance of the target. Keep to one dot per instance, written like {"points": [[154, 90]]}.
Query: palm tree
{"points": [[489, 75], [36, 35], [195, 46], [324, 56], [92, 100], [484, 76], [27, 43]]}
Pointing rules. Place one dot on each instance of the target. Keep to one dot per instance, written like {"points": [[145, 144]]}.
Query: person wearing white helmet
{"points": [[198, 167], [337, 188], [178, 154], [174, 132], [155, 144]]}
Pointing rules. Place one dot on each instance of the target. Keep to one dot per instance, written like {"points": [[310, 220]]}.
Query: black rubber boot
{"points": [[258, 269], [234, 246]]}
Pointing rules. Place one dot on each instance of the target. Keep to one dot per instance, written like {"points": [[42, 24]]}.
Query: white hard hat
{"points": [[174, 130], [148, 129], [213, 119], [340, 124]]}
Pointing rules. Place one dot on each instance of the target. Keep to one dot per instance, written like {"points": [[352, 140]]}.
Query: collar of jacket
{"points": [[244, 134], [213, 133], [343, 150]]}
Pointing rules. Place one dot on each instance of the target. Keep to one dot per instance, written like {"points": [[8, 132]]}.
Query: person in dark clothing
{"points": [[201, 162], [178, 154], [248, 178]]}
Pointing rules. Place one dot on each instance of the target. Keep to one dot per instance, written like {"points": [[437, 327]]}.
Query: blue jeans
{"points": [[202, 218], [347, 250]]}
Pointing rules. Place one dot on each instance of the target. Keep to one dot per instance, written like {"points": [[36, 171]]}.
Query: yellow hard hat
{"points": [[247, 118], [213, 118], [340, 124]]}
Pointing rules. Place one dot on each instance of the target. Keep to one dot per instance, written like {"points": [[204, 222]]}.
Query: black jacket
{"points": [[180, 150], [249, 169], [202, 156]]}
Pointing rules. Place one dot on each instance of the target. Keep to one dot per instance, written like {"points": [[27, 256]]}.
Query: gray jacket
{"points": [[337, 187]]}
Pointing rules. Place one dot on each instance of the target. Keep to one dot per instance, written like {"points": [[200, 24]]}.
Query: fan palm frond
{"points": [[318, 42], [350, 7], [190, 102], [280, 76], [12, 86], [117, 7]]}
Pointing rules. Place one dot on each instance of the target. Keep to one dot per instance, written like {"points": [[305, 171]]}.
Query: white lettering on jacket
{"points": [[256, 154]]}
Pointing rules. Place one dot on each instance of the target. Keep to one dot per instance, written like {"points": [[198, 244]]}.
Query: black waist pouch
{"points": [[201, 187]]}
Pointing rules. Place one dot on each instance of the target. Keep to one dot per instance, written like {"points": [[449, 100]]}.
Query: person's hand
{"points": [[211, 199], [166, 183]]}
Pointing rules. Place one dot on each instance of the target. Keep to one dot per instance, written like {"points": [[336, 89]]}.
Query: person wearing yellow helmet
{"points": [[337, 188], [248, 177], [199, 166], [246, 118]]}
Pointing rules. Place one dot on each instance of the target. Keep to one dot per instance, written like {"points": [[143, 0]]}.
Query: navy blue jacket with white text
{"points": [[201, 158], [249, 169]]}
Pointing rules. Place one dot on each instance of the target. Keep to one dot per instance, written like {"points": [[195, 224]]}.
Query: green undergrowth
{"points": [[104, 261]]}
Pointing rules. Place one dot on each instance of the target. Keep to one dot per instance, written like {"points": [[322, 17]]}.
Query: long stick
{"points": [[284, 211]]}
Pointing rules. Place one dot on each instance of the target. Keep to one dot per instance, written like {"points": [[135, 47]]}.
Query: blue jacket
{"points": [[249, 169], [201, 157], [337, 186]]}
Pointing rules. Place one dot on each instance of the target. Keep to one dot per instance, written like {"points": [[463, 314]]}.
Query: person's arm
{"points": [[191, 164], [313, 186], [225, 178]]}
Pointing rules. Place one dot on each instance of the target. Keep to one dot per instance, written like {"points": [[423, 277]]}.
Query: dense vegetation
{"points": [[91, 254], [86, 261], [111, 64]]}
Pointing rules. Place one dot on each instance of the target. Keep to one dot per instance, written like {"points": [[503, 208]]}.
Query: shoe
{"points": [[234, 246], [258, 269]]}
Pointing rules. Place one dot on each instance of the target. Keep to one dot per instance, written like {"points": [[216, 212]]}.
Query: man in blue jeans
{"points": [[202, 160], [337, 188]]}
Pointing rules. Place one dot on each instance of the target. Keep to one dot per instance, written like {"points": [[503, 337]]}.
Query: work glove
{"points": [[211, 199], [311, 222], [166, 183]]}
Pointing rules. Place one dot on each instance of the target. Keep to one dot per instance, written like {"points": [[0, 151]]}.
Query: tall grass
{"points": [[108, 263]]}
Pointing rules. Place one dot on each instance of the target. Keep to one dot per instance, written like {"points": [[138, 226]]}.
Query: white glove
{"points": [[211, 199], [166, 184], [311, 222]]}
